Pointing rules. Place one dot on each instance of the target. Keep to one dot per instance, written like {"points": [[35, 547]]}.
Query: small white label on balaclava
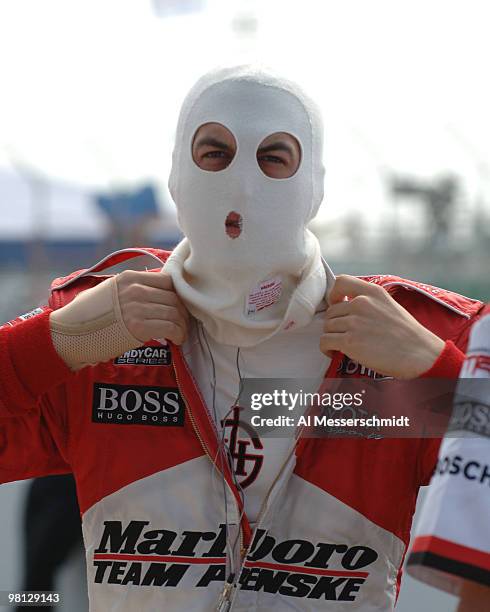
{"points": [[265, 294]]}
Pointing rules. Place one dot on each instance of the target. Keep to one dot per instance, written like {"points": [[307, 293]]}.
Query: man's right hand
{"points": [[150, 307], [121, 313]]}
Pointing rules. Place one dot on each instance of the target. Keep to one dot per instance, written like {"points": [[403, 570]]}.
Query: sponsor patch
{"points": [[31, 313], [349, 367], [24, 317], [147, 356], [470, 469], [470, 415], [137, 405], [137, 553]]}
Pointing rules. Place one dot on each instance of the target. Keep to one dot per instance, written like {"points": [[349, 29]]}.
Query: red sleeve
{"points": [[448, 364], [33, 445], [31, 372], [450, 361], [29, 363]]}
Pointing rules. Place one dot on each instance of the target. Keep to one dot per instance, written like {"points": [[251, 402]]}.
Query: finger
{"points": [[337, 325], [153, 295], [159, 280], [175, 332], [173, 299], [350, 286], [161, 312], [341, 309], [332, 341]]}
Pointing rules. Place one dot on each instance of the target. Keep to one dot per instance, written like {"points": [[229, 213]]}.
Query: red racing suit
{"points": [[333, 529]]}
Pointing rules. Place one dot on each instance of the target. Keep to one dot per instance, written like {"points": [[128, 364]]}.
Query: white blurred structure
{"points": [[64, 211]]}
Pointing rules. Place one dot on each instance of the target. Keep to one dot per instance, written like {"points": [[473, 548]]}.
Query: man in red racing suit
{"points": [[337, 523], [171, 517]]}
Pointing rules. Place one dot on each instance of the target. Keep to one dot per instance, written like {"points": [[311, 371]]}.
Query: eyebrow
{"points": [[277, 146], [211, 142]]}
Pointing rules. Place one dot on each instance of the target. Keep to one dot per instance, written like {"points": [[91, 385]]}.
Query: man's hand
{"points": [[121, 313], [150, 307], [365, 323]]}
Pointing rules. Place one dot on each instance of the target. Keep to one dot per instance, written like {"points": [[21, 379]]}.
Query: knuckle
{"points": [[360, 302], [377, 289], [132, 292], [126, 276]]}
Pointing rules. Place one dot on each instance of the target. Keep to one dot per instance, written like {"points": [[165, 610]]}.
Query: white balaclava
{"points": [[270, 278]]}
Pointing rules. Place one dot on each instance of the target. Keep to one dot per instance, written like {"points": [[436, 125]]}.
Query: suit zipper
{"points": [[208, 454], [245, 550], [189, 412]]}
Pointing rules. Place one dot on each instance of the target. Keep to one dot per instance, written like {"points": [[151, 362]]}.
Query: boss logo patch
{"points": [[134, 405], [146, 355]]}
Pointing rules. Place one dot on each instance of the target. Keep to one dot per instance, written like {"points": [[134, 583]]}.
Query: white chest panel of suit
{"points": [[258, 460]]}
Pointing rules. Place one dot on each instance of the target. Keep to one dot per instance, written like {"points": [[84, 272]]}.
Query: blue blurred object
{"points": [[127, 208]]}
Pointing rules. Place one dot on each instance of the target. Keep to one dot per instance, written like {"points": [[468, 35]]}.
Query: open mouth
{"points": [[233, 224]]}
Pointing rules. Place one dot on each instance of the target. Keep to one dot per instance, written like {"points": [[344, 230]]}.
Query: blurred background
{"points": [[89, 97]]}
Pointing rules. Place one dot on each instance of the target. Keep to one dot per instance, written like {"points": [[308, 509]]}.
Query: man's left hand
{"points": [[365, 323]]}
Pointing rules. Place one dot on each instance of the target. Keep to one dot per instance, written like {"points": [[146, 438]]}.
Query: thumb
{"points": [[350, 286]]}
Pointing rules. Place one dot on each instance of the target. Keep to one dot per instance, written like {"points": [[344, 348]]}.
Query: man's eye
{"points": [[216, 155], [272, 159]]}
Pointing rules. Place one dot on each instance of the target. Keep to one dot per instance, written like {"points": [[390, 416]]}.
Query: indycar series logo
{"points": [[139, 554], [146, 356]]}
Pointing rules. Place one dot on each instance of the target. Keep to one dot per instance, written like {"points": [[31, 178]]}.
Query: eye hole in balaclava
{"points": [[279, 155], [213, 147]]}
